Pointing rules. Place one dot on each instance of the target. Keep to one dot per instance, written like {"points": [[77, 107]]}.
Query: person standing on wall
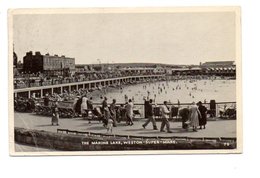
{"points": [[150, 114]]}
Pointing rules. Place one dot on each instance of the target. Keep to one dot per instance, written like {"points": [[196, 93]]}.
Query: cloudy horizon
{"points": [[169, 38]]}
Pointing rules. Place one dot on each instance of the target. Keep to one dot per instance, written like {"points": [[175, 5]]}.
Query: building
{"points": [[48, 64], [218, 64], [187, 71], [219, 68]]}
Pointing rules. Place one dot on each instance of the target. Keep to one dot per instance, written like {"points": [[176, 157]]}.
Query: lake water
{"points": [[186, 91]]}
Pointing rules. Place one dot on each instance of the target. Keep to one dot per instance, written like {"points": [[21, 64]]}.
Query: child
{"points": [[110, 125]]}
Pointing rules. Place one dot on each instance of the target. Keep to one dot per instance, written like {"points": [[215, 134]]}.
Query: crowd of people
{"points": [[35, 80], [194, 116], [108, 114]]}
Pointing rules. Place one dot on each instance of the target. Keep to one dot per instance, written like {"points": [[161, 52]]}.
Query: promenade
{"points": [[218, 128]]}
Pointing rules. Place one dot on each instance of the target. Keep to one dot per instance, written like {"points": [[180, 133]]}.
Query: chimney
{"points": [[37, 53], [29, 53]]}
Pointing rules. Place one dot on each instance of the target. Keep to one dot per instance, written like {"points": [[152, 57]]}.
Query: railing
{"points": [[216, 110], [26, 83], [220, 110], [106, 135]]}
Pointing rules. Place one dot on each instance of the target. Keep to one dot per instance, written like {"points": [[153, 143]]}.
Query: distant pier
{"points": [[93, 84]]}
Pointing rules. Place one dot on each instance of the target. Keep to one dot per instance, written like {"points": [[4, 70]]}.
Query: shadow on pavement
{"points": [[139, 129], [97, 128], [45, 125]]}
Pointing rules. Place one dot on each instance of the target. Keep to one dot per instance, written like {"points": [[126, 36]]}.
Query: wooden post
{"points": [[41, 93]]}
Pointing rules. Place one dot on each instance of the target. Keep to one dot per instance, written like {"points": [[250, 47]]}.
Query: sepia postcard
{"points": [[119, 81]]}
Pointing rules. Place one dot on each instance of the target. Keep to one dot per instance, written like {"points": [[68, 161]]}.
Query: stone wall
{"points": [[70, 142]]}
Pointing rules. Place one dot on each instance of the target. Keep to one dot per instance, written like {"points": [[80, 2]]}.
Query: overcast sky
{"points": [[172, 38]]}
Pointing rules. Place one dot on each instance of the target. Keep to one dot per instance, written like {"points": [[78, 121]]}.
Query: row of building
{"points": [[219, 68], [54, 65], [48, 64]]}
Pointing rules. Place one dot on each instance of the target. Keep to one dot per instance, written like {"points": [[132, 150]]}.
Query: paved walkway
{"points": [[220, 128]]}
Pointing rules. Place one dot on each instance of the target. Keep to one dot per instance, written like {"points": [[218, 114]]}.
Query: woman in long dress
{"points": [[129, 112], [84, 105], [194, 116]]}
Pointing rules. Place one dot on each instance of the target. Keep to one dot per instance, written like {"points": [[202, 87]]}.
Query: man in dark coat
{"points": [[150, 115], [104, 104], [46, 100], [203, 118], [78, 106], [146, 104], [184, 113]]}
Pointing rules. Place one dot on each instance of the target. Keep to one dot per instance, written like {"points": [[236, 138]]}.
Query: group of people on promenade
{"points": [[109, 114], [194, 116]]}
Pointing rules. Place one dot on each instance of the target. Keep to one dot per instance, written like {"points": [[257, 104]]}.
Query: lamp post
{"points": [[99, 61], [28, 78]]}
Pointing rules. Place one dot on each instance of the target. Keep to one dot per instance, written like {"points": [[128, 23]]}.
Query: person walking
{"points": [[55, 115], [203, 112], [129, 112], [113, 112], [165, 118], [146, 103], [194, 116], [150, 114], [84, 105], [104, 104]]}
